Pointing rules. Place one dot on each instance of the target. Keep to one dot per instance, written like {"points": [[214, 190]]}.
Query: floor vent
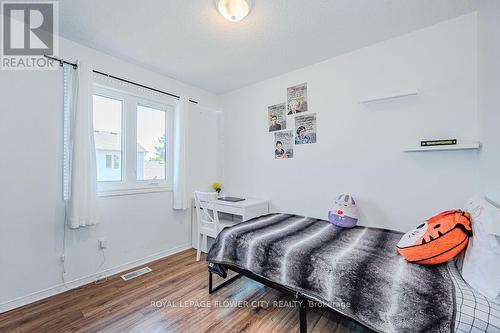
{"points": [[134, 274]]}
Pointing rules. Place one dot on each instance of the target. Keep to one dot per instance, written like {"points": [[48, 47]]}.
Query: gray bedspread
{"points": [[356, 271]]}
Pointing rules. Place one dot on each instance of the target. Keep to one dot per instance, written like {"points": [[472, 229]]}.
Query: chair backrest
{"points": [[206, 207]]}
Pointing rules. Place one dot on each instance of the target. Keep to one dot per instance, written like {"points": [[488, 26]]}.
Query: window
{"points": [[112, 161], [116, 162], [133, 141], [151, 143], [107, 114]]}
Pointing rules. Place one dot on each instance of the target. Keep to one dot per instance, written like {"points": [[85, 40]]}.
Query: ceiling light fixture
{"points": [[234, 10]]}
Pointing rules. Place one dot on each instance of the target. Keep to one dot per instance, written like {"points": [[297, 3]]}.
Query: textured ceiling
{"points": [[189, 41]]}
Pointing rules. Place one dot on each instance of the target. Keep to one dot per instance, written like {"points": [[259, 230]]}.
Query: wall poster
{"points": [[305, 129], [277, 117], [297, 99], [283, 144]]}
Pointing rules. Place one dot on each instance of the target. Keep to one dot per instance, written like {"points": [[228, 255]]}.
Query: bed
{"points": [[355, 272]]}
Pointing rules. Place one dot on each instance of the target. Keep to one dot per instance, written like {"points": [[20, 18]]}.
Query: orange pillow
{"points": [[438, 239]]}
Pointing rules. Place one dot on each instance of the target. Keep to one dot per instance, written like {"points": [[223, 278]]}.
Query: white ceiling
{"points": [[188, 39]]}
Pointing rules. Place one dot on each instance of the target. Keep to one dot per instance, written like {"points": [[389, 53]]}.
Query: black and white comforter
{"points": [[354, 271]]}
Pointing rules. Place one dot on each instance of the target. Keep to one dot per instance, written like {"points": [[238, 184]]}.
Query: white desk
{"points": [[247, 209]]}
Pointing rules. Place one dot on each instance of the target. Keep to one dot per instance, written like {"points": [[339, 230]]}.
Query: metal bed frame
{"points": [[303, 300]]}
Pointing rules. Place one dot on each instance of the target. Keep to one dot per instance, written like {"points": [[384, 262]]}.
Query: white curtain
{"points": [[181, 120], [80, 171]]}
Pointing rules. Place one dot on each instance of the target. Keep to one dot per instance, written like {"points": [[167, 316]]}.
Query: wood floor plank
{"points": [[172, 298]]}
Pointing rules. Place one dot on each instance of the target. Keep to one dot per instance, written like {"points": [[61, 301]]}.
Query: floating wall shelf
{"points": [[382, 98], [464, 146]]}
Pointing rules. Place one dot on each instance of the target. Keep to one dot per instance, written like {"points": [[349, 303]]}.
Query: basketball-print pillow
{"points": [[438, 239]]}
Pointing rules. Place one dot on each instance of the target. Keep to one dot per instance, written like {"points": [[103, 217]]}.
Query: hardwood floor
{"points": [[172, 298]]}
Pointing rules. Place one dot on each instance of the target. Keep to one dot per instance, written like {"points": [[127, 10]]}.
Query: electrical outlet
{"points": [[103, 243]]}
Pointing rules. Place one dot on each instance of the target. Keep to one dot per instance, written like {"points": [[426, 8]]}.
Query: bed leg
{"points": [[211, 288], [210, 282], [303, 315]]}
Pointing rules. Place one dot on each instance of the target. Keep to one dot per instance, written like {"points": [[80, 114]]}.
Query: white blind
{"points": [[68, 85]]}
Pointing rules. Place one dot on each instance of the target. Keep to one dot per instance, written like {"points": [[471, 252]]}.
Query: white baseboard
{"points": [[60, 288]]}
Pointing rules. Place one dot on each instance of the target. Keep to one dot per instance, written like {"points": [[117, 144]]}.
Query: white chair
{"points": [[208, 218]]}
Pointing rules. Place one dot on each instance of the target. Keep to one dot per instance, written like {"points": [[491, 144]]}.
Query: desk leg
{"points": [[191, 221], [204, 244]]}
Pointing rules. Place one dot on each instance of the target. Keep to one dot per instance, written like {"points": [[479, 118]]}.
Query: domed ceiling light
{"points": [[234, 10]]}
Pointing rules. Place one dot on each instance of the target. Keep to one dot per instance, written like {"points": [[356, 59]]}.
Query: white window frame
{"points": [[129, 183]]}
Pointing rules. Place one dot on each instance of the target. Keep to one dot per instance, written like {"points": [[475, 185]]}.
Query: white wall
{"points": [[205, 166], [489, 95], [137, 227], [359, 149]]}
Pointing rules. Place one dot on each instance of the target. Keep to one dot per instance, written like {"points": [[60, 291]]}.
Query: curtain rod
{"points": [[61, 62]]}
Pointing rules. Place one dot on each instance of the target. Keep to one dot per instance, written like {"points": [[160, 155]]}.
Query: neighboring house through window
{"points": [[108, 155]]}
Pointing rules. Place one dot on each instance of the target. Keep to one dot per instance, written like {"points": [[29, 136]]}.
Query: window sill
{"points": [[133, 191]]}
